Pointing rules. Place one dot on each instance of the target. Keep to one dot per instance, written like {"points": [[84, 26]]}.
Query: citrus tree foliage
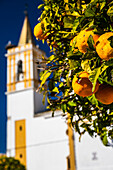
{"points": [[9, 163], [63, 20]]}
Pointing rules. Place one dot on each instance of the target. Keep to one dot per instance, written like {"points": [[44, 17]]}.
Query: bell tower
{"points": [[23, 102], [22, 63], [21, 71]]}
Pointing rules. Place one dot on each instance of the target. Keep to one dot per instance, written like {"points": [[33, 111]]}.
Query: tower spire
{"points": [[26, 35]]}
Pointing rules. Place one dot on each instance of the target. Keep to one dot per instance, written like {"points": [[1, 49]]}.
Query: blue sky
{"points": [[11, 21]]}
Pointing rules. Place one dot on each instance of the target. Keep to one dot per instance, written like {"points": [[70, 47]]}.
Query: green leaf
{"points": [[71, 103], [86, 126], [89, 13], [110, 11], [90, 42], [73, 64], [85, 66], [63, 107], [55, 90], [105, 140], [105, 80], [45, 76], [77, 127], [103, 68], [93, 99], [94, 76], [40, 6], [61, 84], [74, 56], [68, 22], [51, 58], [102, 5], [75, 24]]}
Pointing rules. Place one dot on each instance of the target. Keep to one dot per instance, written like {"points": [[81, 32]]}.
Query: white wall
{"points": [[47, 143], [19, 106], [46, 140], [91, 154]]}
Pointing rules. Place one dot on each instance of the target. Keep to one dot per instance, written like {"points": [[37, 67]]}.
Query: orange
{"points": [[82, 85], [82, 39], [38, 32], [105, 94], [103, 48]]}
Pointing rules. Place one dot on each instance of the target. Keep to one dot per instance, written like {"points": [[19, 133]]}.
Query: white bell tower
{"points": [[22, 99]]}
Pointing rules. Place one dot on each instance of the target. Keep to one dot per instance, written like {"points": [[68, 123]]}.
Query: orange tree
{"points": [[80, 37], [10, 163]]}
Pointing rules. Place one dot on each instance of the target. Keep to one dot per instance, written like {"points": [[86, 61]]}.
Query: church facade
{"points": [[33, 136]]}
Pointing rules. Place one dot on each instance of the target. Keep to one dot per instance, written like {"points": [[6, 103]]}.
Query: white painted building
{"points": [[34, 137], [91, 154]]}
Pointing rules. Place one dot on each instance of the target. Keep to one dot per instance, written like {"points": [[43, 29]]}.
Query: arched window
{"points": [[19, 69]]}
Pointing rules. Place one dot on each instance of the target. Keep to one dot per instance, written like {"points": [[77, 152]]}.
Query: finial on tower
{"points": [[26, 9]]}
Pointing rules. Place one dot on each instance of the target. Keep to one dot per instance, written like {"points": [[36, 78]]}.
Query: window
{"points": [[19, 69], [20, 128], [21, 156]]}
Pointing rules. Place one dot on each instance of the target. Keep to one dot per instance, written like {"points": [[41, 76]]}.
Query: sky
{"points": [[11, 21]]}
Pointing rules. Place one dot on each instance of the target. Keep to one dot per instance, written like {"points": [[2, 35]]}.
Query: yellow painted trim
{"points": [[26, 62], [23, 81], [71, 145], [9, 70], [11, 86], [29, 83], [14, 73], [25, 71], [20, 141]]}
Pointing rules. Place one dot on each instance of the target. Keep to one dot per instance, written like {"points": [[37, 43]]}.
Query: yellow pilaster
{"points": [[71, 146], [25, 83], [29, 81], [20, 141], [9, 70], [14, 81]]}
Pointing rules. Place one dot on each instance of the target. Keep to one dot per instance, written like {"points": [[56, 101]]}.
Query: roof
{"points": [[26, 35]]}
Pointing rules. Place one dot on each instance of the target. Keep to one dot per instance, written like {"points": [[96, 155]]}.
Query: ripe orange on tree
{"points": [[82, 38], [82, 85], [105, 94], [103, 47], [38, 32]]}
